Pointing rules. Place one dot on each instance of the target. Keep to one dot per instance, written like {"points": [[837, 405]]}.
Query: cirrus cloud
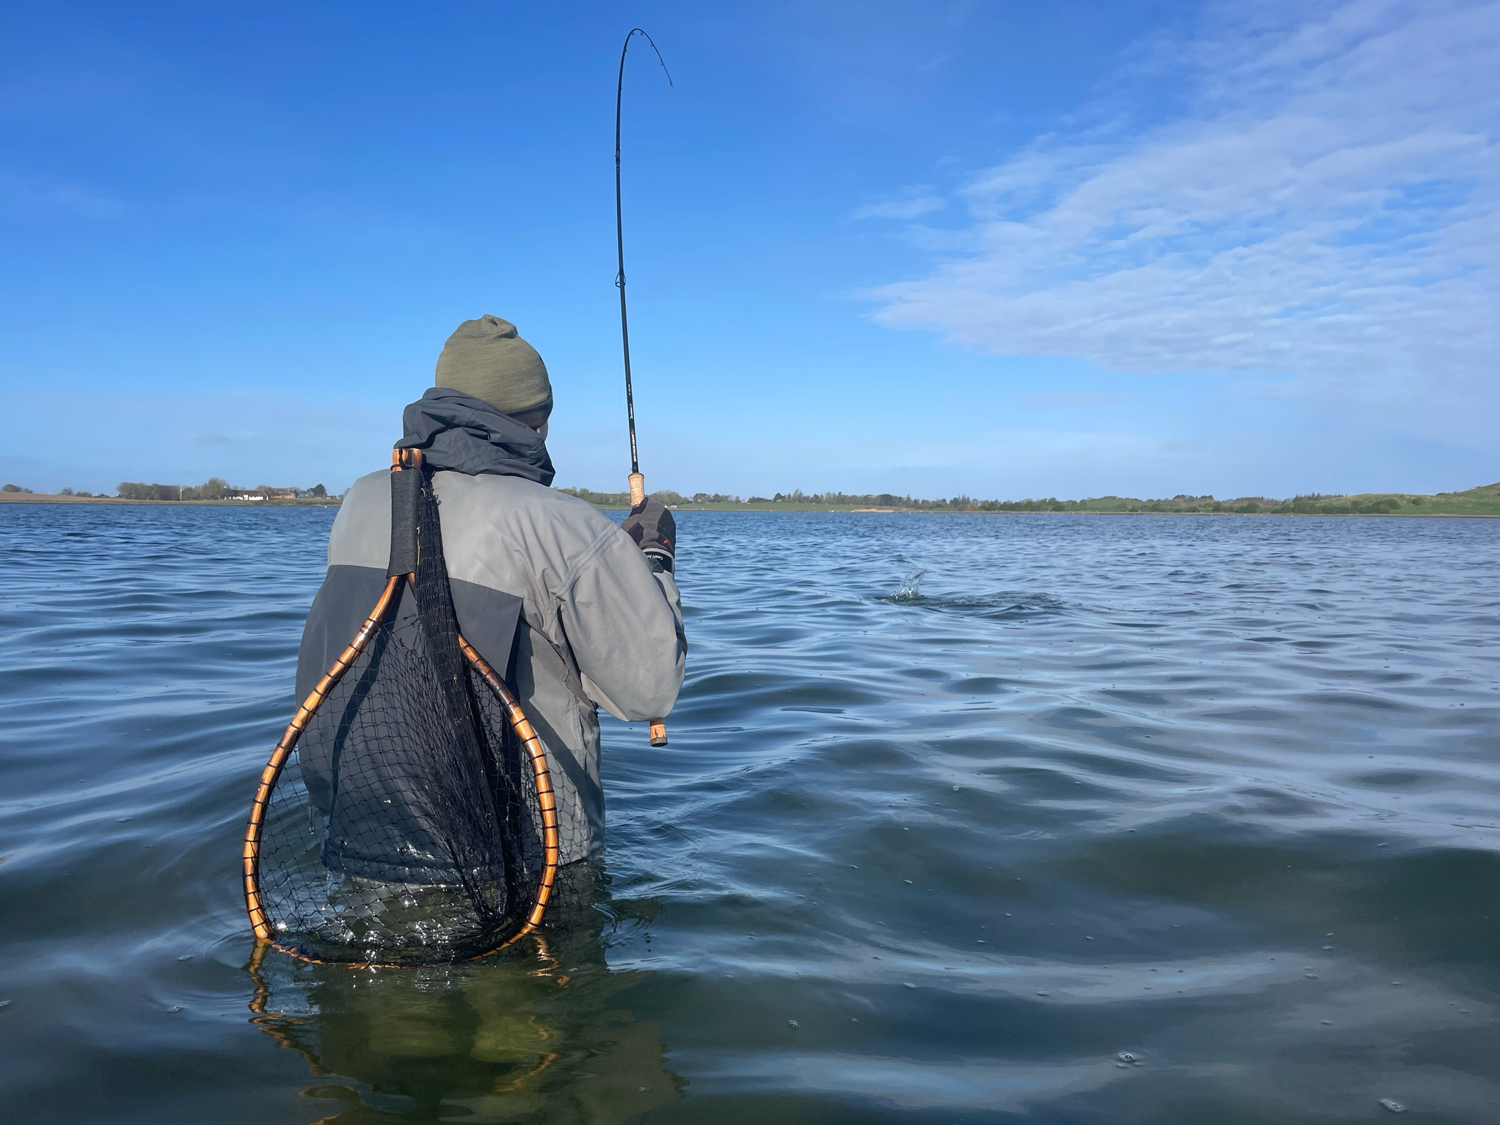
{"points": [[909, 205], [1329, 210]]}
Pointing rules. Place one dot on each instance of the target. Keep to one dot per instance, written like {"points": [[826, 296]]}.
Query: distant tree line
{"points": [[1309, 504], [1313, 503], [215, 488], [622, 499]]}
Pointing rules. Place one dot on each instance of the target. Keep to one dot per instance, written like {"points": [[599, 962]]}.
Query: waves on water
{"points": [[964, 818]]}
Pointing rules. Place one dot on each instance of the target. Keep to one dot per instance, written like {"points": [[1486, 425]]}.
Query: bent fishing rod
{"points": [[636, 480]]}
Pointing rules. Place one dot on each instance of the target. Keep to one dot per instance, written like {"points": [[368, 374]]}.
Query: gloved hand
{"points": [[655, 533]]}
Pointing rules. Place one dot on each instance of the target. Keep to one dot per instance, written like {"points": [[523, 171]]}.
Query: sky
{"points": [[997, 249]]}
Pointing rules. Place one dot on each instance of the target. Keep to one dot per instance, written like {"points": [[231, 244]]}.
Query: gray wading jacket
{"points": [[597, 627]]}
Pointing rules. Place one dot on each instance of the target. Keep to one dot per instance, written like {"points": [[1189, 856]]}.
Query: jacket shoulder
{"points": [[361, 534], [498, 530], [503, 498]]}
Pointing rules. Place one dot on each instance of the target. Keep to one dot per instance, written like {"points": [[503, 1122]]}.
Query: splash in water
{"points": [[910, 590]]}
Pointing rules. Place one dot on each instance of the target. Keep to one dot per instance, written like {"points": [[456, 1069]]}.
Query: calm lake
{"points": [[1102, 819]]}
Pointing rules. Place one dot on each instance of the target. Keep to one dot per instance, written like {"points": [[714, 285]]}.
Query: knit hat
{"points": [[488, 359]]}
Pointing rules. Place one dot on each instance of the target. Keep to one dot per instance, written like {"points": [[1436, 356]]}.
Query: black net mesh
{"points": [[405, 827]]}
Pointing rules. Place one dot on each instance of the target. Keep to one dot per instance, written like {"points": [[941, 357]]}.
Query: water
{"points": [[1140, 819]]}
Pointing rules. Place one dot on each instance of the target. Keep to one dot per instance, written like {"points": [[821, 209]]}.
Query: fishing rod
{"points": [[637, 481]]}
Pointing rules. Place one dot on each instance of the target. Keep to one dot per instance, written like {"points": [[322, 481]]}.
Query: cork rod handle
{"points": [[638, 494]]}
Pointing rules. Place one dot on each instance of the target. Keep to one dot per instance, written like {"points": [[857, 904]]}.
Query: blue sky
{"points": [[1239, 248]]}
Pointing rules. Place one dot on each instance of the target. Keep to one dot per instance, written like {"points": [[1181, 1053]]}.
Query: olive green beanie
{"points": [[486, 358]]}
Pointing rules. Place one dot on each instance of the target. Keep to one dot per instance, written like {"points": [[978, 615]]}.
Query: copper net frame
{"points": [[401, 460]]}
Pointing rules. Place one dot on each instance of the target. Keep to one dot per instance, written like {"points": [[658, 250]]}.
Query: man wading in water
{"points": [[600, 621]]}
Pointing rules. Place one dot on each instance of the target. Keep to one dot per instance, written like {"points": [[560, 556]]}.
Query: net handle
{"points": [[536, 755], [288, 743], [546, 801], [401, 460]]}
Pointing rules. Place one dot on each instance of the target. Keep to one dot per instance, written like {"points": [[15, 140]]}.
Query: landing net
{"points": [[409, 817]]}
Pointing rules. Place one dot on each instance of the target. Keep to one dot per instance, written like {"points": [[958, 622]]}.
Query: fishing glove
{"points": [[655, 533]]}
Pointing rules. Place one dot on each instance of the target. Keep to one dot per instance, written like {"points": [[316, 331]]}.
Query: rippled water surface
{"points": [[1131, 819]]}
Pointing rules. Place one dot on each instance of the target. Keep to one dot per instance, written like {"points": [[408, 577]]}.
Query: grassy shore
{"points": [[53, 498], [1482, 501]]}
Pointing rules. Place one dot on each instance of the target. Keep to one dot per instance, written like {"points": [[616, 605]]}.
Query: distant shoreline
{"points": [[55, 498], [805, 510], [1074, 510], [1481, 501]]}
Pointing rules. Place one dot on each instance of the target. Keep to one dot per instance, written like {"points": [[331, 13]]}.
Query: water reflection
{"points": [[488, 1041]]}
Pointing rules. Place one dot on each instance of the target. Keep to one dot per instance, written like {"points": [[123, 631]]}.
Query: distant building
{"points": [[261, 493]]}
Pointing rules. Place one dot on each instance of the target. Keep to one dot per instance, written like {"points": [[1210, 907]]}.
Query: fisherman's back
{"points": [[597, 625], [575, 612]]}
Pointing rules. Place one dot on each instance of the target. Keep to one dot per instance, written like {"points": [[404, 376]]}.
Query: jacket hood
{"points": [[465, 434]]}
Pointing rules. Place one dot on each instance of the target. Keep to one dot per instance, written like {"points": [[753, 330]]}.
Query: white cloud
{"points": [[908, 207], [1330, 210]]}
